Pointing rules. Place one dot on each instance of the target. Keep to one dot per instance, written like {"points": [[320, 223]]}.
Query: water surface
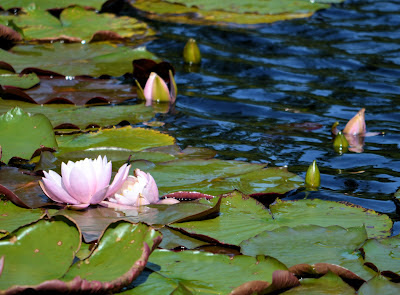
{"points": [[270, 94]]}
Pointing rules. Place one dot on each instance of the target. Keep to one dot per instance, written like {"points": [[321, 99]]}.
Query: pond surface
{"points": [[271, 93]]}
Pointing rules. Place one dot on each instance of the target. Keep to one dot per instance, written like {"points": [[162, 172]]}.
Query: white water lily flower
{"points": [[137, 190], [83, 183]]}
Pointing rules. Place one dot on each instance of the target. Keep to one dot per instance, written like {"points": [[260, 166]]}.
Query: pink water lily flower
{"points": [[83, 183], [140, 189], [157, 90]]}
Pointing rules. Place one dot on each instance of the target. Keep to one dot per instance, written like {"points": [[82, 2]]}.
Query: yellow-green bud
{"points": [[340, 144], [313, 177], [191, 52]]}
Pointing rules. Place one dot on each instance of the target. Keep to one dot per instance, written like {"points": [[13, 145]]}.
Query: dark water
{"points": [[271, 94]]}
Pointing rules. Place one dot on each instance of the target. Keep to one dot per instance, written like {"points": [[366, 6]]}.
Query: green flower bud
{"points": [[191, 52], [313, 177], [340, 144]]}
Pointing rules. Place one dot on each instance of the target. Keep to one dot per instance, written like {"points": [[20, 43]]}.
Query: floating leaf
{"points": [[311, 244], [118, 259], [12, 216], [326, 213], [242, 217], [379, 285], [384, 253], [93, 221], [41, 25], [37, 252], [215, 177], [20, 81], [81, 116], [18, 186], [95, 59], [78, 91], [328, 284], [232, 11], [48, 4], [127, 137], [21, 134], [202, 272]]}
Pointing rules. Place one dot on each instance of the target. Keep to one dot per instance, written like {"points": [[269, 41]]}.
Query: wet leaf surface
{"points": [[37, 24], [21, 134], [84, 116], [75, 59], [234, 12], [36, 252], [202, 272]]}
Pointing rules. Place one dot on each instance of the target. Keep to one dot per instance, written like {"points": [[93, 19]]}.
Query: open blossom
{"points": [[137, 190], [83, 183]]}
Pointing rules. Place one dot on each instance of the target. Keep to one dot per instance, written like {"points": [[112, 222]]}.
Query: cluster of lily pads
{"points": [[171, 221]]}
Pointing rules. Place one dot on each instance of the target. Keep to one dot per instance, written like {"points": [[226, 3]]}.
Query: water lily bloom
{"points": [[157, 90], [357, 124], [140, 189], [83, 183]]}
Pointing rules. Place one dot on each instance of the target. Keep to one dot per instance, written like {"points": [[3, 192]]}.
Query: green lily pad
{"points": [[312, 244], [119, 257], [21, 134], [13, 217], [20, 81], [37, 252], [60, 114], [326, 213], [76, 59], [379, 285], [384, 253], [93, 221], [83, 116], [201, 272], [37, 24], [135, 139], [215, 177], [329, 284], [243, 217], [232, 11], [48, 4]]}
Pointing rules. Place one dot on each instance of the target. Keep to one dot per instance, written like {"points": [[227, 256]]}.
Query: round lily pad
{"points": [[232, 11], [37, 252], [38, 24], [75, 59], [127, 137], [312, 244], [21, 134], [202, 272], [21, 81]]}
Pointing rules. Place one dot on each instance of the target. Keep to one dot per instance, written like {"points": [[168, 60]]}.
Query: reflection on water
{"points": [[271, 94]]}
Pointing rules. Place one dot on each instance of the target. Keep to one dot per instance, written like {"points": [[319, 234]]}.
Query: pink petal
{"points": [[82, 184], [148, 88], [168, 201], [119, 179], [78, 207], [151, 190], [103, 172], [357, 124], [99, 196], [56, 192]]}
